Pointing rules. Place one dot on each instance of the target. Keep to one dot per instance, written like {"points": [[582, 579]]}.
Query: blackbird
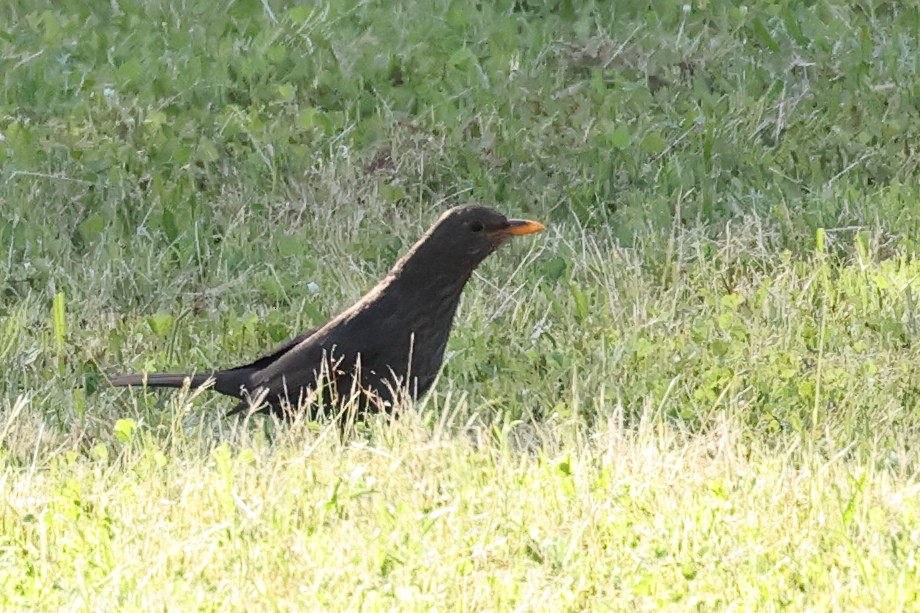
{"points": [[389, 343]]}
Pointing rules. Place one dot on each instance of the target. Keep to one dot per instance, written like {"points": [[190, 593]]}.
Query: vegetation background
{"points": [[697, 390]]}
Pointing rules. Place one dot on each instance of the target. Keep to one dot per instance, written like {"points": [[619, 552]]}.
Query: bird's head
{"points": [[455, 245], [468, 234]]}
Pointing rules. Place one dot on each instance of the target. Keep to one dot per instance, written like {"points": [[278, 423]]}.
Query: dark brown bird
{"points": [[389, 343]]}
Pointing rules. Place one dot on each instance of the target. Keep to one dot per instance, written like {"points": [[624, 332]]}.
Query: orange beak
{"points": [[519, 227]]}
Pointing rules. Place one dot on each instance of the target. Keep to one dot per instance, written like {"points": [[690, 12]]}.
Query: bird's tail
{"points": [[160, 379]]}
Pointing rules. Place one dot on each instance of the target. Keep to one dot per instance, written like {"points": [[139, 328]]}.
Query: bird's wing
{"points": [[288, 373], [270, 358], [246, 376], [268, 376]]}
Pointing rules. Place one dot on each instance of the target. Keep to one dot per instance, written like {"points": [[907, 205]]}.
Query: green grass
{"points": [[697, 390]]}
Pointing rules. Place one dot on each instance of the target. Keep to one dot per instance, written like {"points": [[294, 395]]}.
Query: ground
{"points": [[698, 389]]}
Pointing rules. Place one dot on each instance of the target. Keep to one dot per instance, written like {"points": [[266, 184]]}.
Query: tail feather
{"points": [[161, 379]]}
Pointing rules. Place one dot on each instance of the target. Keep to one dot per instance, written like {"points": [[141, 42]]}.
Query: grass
{"points": [[629, 518], [697, 390]]}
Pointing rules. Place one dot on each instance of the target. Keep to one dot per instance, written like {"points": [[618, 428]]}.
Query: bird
{"points": [[387, 347]]}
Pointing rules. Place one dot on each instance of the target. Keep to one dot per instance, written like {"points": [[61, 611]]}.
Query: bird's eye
{"points": [[476, 226]]}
